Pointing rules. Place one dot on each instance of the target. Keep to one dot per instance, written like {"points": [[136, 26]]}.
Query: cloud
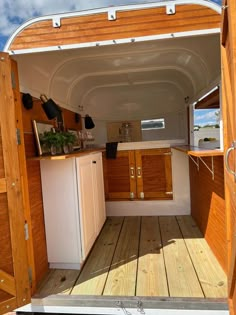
{"points": [[203, 117]]}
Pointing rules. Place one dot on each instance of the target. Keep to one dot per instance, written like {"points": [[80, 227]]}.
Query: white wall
{"points": [[175, 128], [180, 205]]}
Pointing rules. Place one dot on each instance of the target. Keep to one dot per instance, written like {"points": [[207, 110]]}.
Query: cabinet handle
{"points": [[94, 162], [139, 172], [131, 172], [233, 147]]}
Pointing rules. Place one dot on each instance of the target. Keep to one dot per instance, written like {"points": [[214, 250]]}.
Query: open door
{"points": [[228, 51], [14, 278]]}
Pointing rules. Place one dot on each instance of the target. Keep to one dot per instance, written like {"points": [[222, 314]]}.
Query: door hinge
{"points": [[26, 229], [18, 139], [170, 9]]}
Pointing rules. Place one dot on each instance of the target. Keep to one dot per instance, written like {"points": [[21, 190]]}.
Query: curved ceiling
{"points": [[121, 81]]}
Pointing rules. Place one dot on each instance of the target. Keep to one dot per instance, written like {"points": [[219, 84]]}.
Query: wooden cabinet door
{"points": [[153, 174], [119, 175], [228, 53], [98, 187], [86, 203]]}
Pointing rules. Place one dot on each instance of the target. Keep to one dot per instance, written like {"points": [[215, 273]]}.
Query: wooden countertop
{"points": [[78, 153], [198, 152]]}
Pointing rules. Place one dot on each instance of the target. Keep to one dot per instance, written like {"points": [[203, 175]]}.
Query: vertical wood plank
{"points": [[122, 276], [151, 278], [182, 279], [13, 178], [23, 173]]}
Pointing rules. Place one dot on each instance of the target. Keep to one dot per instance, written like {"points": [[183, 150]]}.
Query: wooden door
{"points": [[14, 284], [153, 173], [119, 175], [86, 203], [98, 187], [228, 52]]}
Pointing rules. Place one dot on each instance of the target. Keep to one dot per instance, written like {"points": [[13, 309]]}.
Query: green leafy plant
{"points": [[50, 138], [69, 137]]}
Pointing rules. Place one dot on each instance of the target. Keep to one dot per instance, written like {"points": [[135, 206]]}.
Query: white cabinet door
{"points": [[99, 191], [86, 203]]}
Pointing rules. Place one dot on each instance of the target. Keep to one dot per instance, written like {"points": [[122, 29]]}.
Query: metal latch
{"points": [[26, 229], [170, 9], [56, 21], [111, 14], [18, 139]]}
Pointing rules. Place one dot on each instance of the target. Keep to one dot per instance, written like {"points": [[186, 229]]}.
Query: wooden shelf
{"points": [[199, 152], [67, 156]]}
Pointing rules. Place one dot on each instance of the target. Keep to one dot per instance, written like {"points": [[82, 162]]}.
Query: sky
{"points": [[16, 12], [205, 116]]}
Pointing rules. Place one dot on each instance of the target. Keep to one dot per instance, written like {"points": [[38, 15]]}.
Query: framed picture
{"points": [[39, 128]]}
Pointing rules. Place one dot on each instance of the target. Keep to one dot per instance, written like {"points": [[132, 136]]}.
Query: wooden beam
{"points": [[7, 305], [7, 283], [23, 172]]}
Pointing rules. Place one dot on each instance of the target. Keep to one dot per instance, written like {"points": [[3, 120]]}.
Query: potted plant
{"points": [[53, 141], [69, 139]]}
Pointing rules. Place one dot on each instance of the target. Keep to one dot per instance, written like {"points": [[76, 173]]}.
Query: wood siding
{"points": [[34, 185], [132, 23], [208, 205]]}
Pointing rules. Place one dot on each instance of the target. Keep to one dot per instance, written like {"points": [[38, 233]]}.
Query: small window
{"points": [[152, 124]]}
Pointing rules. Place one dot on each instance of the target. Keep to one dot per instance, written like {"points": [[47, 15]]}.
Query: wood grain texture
{"points": [[7, 303], [7, 283], [132, 23], [122, 276], [94, 274], [117, 176], [23, 173], [3, 185], [6, 264], [213, 280], [13, 178], [208, 205], [182, 279], [151, 278], [228, 55], [59, 281], [155, 179]]}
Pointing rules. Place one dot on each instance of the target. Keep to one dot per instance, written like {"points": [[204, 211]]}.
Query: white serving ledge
{"points": [[149, 144]]}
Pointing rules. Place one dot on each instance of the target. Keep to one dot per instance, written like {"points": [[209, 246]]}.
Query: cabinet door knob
{"points": [[94, 162]]}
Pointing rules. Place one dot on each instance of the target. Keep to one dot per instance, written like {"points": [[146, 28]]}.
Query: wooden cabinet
{"points": [[74, 208], [139, 174]]}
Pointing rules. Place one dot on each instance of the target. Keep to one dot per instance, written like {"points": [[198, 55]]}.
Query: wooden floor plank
{"points": [[151, 278], [93, 276], [182, 279], [211, 276], [122, 276], [59, 281]]}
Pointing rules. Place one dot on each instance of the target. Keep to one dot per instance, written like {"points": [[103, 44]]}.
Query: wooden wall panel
{"points": [[6, 263], [208, 205], [34, 183], [133, 23]]}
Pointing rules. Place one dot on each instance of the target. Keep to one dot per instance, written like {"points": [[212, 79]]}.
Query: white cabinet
{"points": [[74, 207], [91, 196]]}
